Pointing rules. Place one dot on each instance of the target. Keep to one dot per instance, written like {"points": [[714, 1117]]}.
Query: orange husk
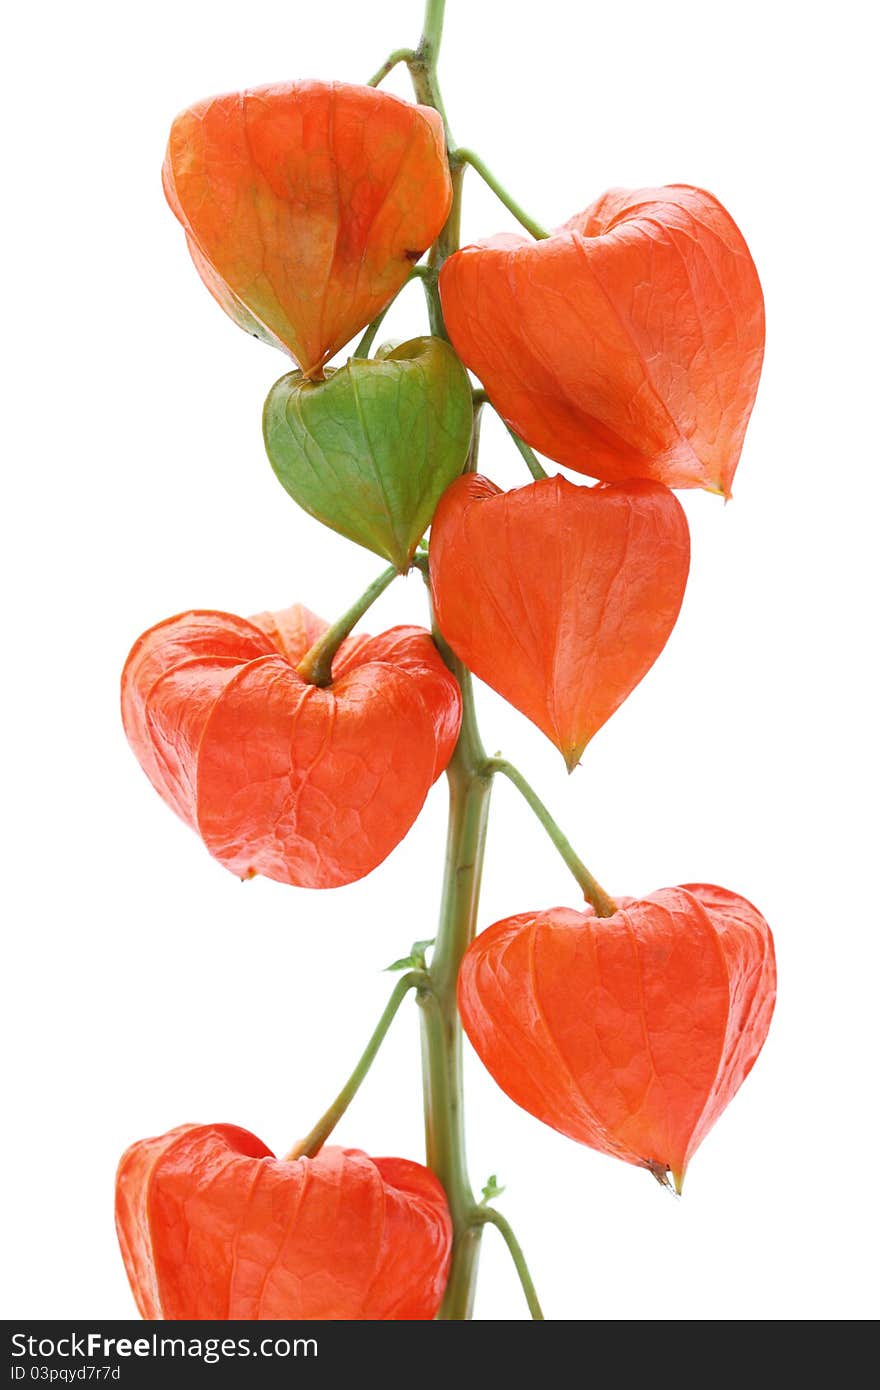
{"points": [[557, 596], [630, 1033], [212, 1226], [626, 344], [305, 785]]}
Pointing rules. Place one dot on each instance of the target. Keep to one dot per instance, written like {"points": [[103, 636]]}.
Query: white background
{"points": [[144, 985]]}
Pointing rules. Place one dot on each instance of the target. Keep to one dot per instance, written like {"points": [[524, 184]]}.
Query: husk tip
{"points": [[572, 757]]}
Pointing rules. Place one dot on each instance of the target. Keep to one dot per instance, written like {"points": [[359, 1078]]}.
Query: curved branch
{"points": [[487, 1216], [466, 156], [604, 905], [318, 1135], [400, 55]]}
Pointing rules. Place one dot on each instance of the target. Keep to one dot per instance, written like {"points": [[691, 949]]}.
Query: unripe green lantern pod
{"points": [[370, 450]]}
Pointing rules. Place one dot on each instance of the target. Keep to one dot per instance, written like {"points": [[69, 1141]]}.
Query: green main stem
{"points": [[469, 791]]}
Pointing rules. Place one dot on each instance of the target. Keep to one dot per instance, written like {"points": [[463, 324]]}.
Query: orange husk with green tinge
{"points": [[306, 205]]}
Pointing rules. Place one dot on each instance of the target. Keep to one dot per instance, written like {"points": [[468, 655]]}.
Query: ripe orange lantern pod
{"points": [[213, 1226], [629, 1033], [559, 597], [628, 343], [306, 205], [306, 785]]}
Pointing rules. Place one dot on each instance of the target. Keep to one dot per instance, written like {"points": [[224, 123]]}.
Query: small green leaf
{"points": [[491, 1190], [416, 958], [405, 963], [370, 450]]}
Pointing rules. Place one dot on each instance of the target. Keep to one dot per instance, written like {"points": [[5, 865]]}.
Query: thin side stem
{"points": [[316, 666], [481, 397], [466, 156], [418, 272], [604, 905], [319, 1134], [369, 334], [400, 55], [473, 456], [487, 1216], [432, 301], [532, 462]]}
